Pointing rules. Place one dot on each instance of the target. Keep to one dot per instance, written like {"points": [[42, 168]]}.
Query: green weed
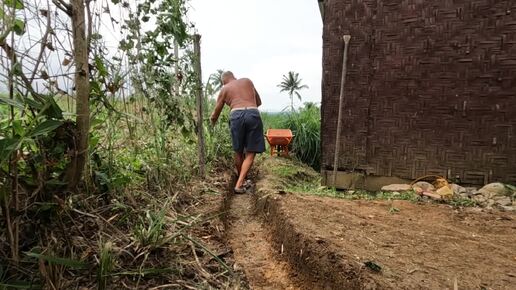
{"points": [[462, 202], [285, 171], [106, 265], [150, 229]]}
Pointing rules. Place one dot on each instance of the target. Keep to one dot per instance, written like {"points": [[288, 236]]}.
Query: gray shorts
{"points": [[247, 131]]}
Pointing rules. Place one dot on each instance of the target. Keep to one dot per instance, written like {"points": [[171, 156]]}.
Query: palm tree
{"points": [[292, 84], [213, 85], [215, 80]]}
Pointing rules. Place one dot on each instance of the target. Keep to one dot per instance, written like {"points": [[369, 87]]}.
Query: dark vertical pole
{"points": [[199, 94], [341, 101], [174, 84], [13, 225]]}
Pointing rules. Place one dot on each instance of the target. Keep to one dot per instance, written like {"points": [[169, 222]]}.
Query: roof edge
{"points": [[321, 8]]}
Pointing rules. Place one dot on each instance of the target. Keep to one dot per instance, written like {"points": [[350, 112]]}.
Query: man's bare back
{"points": [[239, 93]]}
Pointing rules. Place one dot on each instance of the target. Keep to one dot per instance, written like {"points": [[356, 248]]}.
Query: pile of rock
{"points": [[493, 195], [496, 195]]}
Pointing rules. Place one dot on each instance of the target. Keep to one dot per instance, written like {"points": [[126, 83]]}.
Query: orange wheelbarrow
{"points": [[279, 139]]}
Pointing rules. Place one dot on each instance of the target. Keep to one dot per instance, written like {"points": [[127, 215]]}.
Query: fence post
{"points": [[199, 97]]}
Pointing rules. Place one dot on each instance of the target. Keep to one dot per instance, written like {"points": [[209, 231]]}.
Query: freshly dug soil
{"points": [[405, 245], [303, 241], [254, 252]]}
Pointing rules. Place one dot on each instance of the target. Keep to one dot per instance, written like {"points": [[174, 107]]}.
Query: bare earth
{"points": [[421, 246], [285, 240], [254, 251]]}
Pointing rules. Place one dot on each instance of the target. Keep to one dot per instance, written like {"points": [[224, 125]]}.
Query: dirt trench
{"points": [[286, 240], [255, 252], [273, 254]]}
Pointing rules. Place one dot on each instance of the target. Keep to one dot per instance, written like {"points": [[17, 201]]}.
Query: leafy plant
{"points": [[150, 229]]}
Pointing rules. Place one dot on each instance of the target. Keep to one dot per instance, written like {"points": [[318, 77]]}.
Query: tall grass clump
{"points": [[106, 265], [273, 120], [306, 127], [218, 138]]}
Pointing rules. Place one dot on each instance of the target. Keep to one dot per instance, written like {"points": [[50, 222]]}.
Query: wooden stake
{"points": [[175, 85], [199, 94], [346, 38], [82, 85]]}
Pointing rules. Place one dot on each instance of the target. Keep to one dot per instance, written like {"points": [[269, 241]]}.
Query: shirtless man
{"points": [[245, 122]]}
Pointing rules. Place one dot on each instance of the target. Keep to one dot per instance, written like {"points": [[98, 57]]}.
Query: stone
{"points": [[502, 200], [458, 190], [425, 186], [508, 208], [480, 199], [494, 189], [471, 191], [397, 187], [476, 209]]}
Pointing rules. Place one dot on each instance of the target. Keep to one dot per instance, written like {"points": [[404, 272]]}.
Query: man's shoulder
{"points": [[247, 80]]}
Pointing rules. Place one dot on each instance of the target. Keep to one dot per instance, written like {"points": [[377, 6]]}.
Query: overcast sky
{"points": [[258, 39], [262, 40]]}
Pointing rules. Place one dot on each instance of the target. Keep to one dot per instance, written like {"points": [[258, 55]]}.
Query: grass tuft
{"points": [[150, 230], [106, 265]]}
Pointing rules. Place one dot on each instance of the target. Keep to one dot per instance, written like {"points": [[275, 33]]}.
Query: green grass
{"points": [[305, 125], [273, 120], [4, 109], [285, 171], [313, 188], [295, 177]]}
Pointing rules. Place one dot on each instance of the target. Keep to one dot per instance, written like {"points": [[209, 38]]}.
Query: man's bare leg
{"points": [[239, 159], [246, 165]]}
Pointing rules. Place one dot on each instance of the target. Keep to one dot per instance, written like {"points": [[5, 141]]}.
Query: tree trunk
{"points": [[200, 123], [82, 87]]}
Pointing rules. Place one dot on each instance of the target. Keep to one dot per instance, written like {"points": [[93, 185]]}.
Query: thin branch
{"points": [[62, 5], [12, 55], [90, 25], [43, 45]]}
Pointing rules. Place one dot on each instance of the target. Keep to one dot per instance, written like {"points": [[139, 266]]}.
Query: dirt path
{"points": [[254, 251]]}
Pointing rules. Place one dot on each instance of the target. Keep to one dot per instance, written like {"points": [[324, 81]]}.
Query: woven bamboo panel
{"points": [[431, 88]]}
